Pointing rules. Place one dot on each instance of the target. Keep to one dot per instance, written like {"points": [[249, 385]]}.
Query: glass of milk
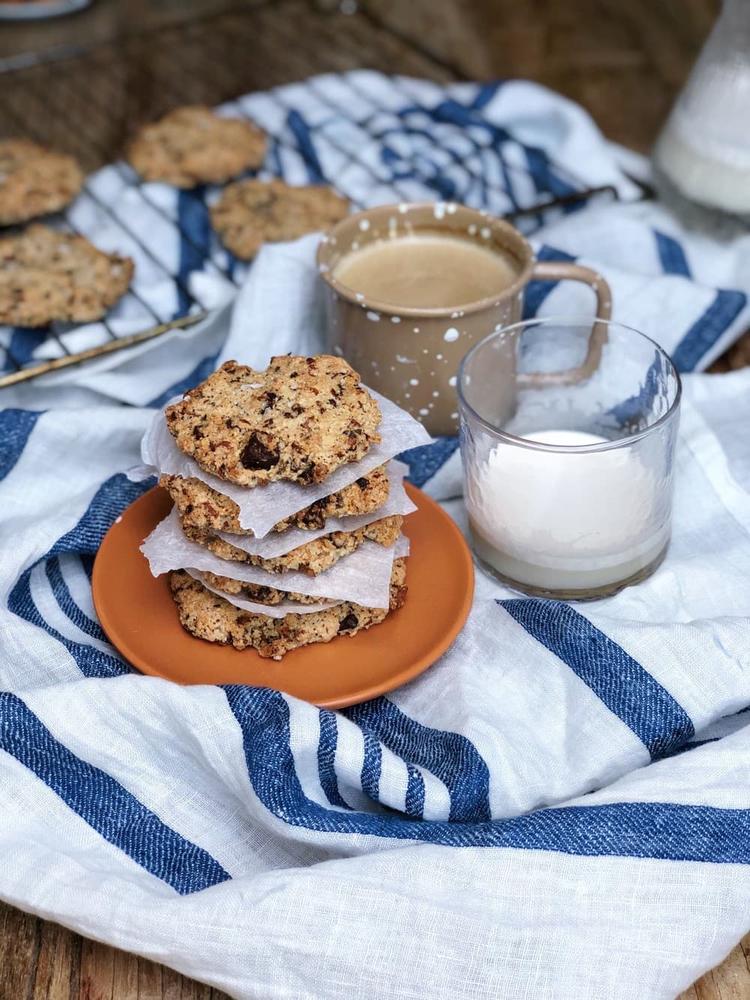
{"points": [[568, 463]]}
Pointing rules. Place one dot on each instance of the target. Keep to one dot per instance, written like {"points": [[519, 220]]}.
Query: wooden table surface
{"points": [[622, 61]]}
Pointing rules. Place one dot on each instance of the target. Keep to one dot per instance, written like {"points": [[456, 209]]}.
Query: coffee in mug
{"points": [[426, 270]]}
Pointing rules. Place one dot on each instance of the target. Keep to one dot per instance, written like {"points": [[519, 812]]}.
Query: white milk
{"points": [[565, 520]]}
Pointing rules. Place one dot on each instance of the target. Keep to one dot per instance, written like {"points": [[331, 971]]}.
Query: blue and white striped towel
{"points": [[558, 809]]}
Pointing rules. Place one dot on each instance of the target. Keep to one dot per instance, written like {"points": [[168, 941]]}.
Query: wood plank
{"points": [[728, 981], [125, 974], [97, 970], [736, 357], [176, 987], [57, 953], [103, 21], [20, 938], [149, 980]]}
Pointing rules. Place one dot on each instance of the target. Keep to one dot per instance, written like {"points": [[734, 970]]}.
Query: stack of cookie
{"points": [[288, 507]]}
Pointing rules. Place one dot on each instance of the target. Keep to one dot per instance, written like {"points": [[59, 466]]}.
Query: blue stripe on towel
{"points": [[416, 166], [546, 180], [112, 497], [627, 829], [303, 137], [327, 757], [24, 340], [92, 662], [671, 254], [414, 805], [693, 745], [87, 562], [195, 240], [627, 690], [109, 501], [371, 766], [485, 92], [428, 459], [104, 804], [703, 334], [455, 113], [66, 603], [451, 757], [15, 430]]}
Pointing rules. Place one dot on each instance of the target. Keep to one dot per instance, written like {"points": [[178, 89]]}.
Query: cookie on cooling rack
{"points": [[47, 275], [34, 180], [299, 420], [203, 509], [210, 617], [251, 212], [193, 145]]}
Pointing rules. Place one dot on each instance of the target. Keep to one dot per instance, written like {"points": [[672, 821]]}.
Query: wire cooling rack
{"points": [[351, 122]]}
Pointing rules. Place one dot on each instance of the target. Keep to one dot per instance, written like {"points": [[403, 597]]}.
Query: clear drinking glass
{"points": [[568, 431]]}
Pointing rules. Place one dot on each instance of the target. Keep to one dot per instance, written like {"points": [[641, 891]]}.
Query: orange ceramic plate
{"points": [[140, 617]]}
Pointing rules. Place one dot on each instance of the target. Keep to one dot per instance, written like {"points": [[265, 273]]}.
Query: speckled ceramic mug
{"points": [[412, 355]]}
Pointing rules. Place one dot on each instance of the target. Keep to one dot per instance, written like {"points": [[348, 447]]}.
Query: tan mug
{"points": [[412, 355]]}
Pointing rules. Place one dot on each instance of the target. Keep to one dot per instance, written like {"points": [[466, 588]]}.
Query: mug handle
{"points": [[551, 270]]}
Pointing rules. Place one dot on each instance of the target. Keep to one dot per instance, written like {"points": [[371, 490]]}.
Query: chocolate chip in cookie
{"points": [[257, 454]]}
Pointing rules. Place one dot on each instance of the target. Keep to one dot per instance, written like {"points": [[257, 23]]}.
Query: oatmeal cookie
{"points": [[251, 212], [47, 275], [204, 509], [298, 420], [255, 591], [34, 180], [193, 145], [209, 617], [313, 557]]}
